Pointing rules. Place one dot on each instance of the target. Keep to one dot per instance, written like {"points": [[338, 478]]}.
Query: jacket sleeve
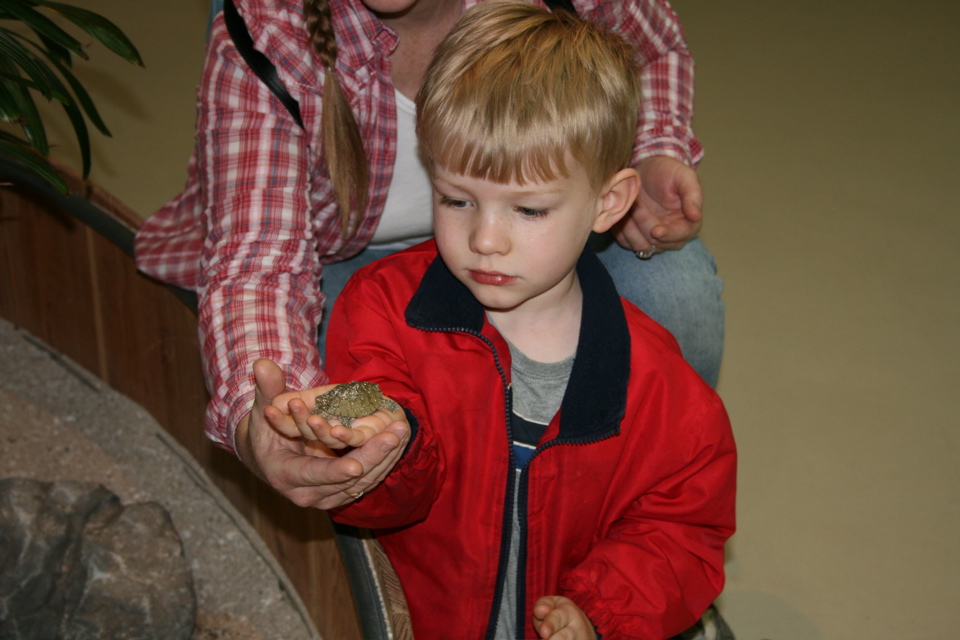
{"points": [[660, 564], [665, 126], [363, 344]]}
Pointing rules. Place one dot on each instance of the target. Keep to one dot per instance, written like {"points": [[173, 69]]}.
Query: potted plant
{"points": [[36, 57]]}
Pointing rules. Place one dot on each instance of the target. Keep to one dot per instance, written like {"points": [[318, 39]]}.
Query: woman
{"points": [[276, 216]]}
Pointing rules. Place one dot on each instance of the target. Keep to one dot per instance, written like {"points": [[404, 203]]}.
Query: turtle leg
{"points": [[345, 421]]}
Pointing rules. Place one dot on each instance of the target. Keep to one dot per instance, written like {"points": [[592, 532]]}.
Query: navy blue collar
{"points": [[596, 396]]}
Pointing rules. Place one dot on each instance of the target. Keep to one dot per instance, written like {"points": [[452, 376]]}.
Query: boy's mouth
{"points": [[491, 277]]}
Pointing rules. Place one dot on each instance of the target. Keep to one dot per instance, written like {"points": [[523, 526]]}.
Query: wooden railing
{"points": [[67, 276]]}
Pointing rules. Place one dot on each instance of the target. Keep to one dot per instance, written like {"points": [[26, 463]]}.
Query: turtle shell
{"points": [[350, 400]]}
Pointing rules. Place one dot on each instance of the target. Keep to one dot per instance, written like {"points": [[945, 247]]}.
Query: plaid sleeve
{"points": [[259, 269], [168, 243], [665, 126]]}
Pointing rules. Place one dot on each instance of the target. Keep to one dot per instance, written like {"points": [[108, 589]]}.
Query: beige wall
{"points": [[831, 131], [831, 178], [150, 110]]}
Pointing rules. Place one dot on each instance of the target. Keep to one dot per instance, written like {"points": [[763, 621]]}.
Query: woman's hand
{"points": [[273, 444], [668, 212], [299, 421]]}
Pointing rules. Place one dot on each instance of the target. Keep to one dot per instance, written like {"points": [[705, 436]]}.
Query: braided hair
{"points": [[342, 145]]}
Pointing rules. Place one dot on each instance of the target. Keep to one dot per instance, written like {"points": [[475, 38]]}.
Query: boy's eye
{"points": [[453, 203], [527, 212]]}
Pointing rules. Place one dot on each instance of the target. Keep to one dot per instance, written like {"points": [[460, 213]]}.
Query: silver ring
{"points": [[646, 254], [355, 496]]}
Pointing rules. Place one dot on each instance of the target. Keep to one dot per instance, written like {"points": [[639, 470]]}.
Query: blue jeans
{"points": [[216, 6], [678, 289]]}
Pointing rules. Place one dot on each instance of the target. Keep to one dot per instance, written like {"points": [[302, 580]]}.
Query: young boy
{"points": [[568, 474]]}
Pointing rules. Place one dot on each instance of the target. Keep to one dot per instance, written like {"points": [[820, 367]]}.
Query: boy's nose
{"points": [[488, 236]]}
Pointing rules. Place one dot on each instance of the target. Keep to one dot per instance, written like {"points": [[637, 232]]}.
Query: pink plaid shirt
{"points": [[256, 220]]}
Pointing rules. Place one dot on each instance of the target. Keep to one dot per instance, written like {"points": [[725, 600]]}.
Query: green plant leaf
{"points": [[31, 123], [24, 110], [6, 135], [11, 81], [33, 162], [82, 97], [20, 80], [76, 117], [45, 27], [9, 111], [83, 136], [99, 27], [29, 66], [13, 50], [55, 50]]}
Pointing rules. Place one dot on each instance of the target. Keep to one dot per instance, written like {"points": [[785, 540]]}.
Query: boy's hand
{"points": [[668, 212], [559, 618]]}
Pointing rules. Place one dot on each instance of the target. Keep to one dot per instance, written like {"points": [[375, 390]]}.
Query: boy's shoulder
{"points": [[653, 348], [416, 257], [648, 331], [400, 271], [659, 374]]}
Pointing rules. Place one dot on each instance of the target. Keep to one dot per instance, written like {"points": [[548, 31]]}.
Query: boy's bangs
{"points": [[474, 149]]}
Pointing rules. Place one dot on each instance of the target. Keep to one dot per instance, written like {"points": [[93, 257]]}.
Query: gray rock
{"points": [[76, 564]]}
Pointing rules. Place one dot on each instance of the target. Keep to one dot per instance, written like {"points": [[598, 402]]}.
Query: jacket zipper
{"points": [[512, 491], [507, 525], [522, 494]]}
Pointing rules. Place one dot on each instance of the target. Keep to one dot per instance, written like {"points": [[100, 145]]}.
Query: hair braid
{"points": [[342, 145]]}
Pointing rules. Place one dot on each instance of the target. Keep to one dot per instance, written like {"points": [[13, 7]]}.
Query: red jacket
{"points": [[627, 503]]}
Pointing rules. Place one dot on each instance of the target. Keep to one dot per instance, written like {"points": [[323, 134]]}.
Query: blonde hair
{"points": [[342, 145], [514, 88]]}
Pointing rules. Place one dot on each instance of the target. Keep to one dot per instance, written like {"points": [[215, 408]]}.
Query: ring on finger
{"points": [[646, 254], [355, 496]]}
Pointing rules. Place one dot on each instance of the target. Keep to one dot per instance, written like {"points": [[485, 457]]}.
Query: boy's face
{"points": [[514, 246]]}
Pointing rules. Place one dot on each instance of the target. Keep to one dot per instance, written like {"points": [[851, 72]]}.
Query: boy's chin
{"points": [[494, 301]]}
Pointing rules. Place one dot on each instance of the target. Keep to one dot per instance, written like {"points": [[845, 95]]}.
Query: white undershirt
{"points": [[407, 216]]}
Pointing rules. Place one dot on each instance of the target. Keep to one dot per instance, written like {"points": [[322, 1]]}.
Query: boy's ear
{"points": [[617, 198]]}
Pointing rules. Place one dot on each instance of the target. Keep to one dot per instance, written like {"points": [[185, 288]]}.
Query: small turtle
{"points": [[353, 400]]}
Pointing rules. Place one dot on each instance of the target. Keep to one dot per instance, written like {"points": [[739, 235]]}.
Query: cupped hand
{"points": [[669, 208], [295, 419], [310, 474]]}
